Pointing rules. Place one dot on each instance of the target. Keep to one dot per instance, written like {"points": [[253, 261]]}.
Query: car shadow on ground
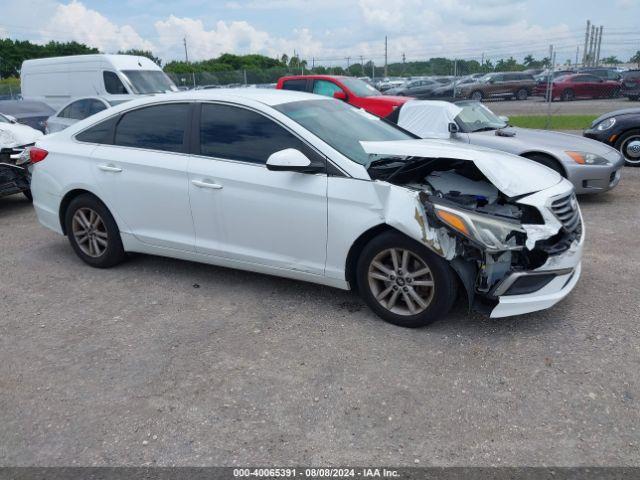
{"points": [[14, 204]]}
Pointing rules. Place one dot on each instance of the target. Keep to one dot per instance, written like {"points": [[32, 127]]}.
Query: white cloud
{"points": [[227, 37], [76, 22]]}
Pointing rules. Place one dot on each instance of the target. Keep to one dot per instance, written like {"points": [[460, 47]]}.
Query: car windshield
{"points": [[475, 117], [342, 126], [149, 81], [4, 119], [360, 88]]}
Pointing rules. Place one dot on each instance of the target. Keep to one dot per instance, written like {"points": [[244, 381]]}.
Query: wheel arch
{"points": [[534, 153], [68, 198]]}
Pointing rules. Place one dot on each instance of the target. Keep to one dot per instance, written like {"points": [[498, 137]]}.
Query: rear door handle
{"points": [[202, 184], [110, 168]]}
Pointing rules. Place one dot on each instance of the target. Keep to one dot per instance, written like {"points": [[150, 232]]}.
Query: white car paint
{"points": [[13, 134], [58, 80], [241, 215]]}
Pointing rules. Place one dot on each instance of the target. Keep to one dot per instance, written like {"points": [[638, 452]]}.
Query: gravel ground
{"points": [[166, 362], [537, 106]]}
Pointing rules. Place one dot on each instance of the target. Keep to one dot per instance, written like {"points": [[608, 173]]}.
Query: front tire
{"points": [[93, 233], [404, 282], [522, 94], [568, 95], [629, 145], [476, 95]]}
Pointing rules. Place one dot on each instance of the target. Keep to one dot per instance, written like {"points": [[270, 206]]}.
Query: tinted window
{"points": [[76, 110], [323, 87], [160, 127], [635, 75], [95, 106], [100, 133], [239, 134], [112, 84], [299, 85]]}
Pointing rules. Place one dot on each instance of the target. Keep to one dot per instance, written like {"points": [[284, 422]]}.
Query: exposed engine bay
{"points": [[494, 235], [14, 178]]}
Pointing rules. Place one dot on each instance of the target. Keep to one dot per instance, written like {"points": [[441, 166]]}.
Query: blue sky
{"points": [[329, 30]]}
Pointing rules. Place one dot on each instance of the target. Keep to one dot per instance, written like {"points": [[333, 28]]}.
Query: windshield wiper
{"points": [[483, 129]]}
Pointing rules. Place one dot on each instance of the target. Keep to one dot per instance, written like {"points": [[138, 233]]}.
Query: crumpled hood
{"points": [[23, 133], [512, 175], [528, 139]]}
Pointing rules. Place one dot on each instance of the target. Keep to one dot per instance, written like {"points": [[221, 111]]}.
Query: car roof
{"points": [[318, 77]]}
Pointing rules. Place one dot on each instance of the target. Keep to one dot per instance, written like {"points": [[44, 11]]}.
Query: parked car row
{"points": [[401, 199]]}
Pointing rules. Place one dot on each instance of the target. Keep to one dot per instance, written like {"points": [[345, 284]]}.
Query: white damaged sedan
{"points": [[310, 188]]}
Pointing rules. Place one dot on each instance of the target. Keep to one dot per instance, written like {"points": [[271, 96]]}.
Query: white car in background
{"points": [[306, 187], [80, 109], [14, 137]]}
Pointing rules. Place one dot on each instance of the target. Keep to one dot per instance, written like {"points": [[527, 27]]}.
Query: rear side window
{"points": [[113, 84], [298, 85], [100, 133], [239, 134], [160, 127]]}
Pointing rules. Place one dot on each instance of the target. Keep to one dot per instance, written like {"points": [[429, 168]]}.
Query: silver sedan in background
{"points": [[591, 166], [79, 109]]}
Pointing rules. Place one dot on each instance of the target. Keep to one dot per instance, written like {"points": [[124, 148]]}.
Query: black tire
{"points": [[476, 95], [568, 95], [27, 193], [622, 145], [114, 252], [522, 94], [634, 98], [552, 163], [444, 280]]}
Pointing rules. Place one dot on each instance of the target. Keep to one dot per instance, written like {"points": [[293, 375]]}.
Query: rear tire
{"points": [[476, 95], [568, 95], [552, 163], [522, 94], [417, 291], [93, 233]]}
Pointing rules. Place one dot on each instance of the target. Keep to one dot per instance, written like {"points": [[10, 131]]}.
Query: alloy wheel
{"points": [[89, 232], [401, 281], [631, 149]]}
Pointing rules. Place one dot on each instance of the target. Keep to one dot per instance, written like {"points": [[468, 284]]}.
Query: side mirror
{"points": [[290, 160], [11, 118], [340, 95], [453, 128], [504, 118]]}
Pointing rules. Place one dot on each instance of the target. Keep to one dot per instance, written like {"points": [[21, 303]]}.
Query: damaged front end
{"points": [[14, 172], [505, 247]]}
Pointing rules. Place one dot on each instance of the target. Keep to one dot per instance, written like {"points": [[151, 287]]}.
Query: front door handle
{"points": [[207, 184], [110, 168]]}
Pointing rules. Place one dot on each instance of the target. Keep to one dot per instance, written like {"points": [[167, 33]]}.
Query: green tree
{"points": [[611, 60], [636, 58], [142, 53]]}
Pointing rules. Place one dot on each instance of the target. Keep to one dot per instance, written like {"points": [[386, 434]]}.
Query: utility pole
{"points": [[313, 63], [599, 45], [347, 59], [552, 59], [592, 45], [362, 64], [482, 61], [577, 53], [586, 43], [186, 59], [386, 72], [373, 71]]}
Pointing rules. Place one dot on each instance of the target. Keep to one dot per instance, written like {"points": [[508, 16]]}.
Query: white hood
{"points": [[18, 134], [428, 119], [512, 175]]}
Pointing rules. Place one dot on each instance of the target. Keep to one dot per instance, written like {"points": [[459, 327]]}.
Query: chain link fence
{"points": [[264, 77]]}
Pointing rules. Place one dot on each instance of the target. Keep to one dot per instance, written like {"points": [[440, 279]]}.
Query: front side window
{"points": [[323, 87], [342, 126], [475, 117], [299, 85], [149, 81], [359, 87], [113, 84], [239, 134], [159, 127]]}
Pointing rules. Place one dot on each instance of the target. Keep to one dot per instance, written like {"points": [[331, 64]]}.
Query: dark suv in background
{"points": [[631, 85], [499, 85]]}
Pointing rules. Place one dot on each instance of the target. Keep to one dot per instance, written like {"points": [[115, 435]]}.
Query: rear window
{"points": [[159, 127], [299, 85]]}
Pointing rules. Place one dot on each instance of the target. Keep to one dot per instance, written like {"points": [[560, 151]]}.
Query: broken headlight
{"points": [[493, 233]]}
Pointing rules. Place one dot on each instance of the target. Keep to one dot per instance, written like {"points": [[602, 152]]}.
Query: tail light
{"points": [[37, 154]]}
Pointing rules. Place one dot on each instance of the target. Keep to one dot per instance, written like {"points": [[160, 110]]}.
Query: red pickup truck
{"points": [[351, 90]]}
